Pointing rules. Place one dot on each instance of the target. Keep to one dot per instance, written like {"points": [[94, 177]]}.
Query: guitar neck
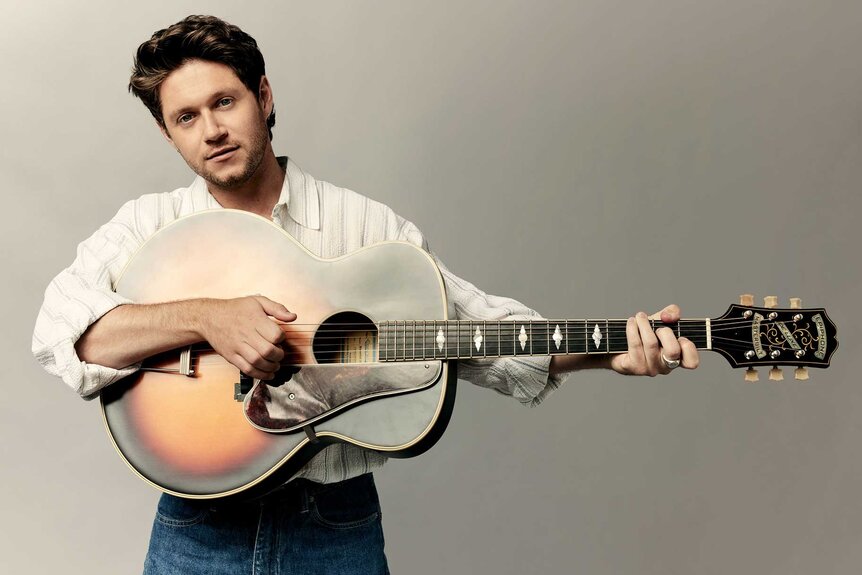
{"points": [[418, 340]]}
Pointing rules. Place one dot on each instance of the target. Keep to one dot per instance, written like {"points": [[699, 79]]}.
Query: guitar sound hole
{"points": [[346, 337]]}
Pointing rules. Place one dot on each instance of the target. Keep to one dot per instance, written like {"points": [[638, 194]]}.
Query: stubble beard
{"points": [[256, 152]]}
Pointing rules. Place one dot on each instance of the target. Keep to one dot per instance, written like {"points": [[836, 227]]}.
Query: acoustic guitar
{"points": [[371, 359]]}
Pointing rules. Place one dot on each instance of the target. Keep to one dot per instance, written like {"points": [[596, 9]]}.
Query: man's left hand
{"points": [[654, 352]]}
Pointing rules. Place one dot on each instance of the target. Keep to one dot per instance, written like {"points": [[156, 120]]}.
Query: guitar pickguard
{"points": [[316, 392]]}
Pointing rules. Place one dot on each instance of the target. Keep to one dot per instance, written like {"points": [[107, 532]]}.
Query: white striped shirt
{"points": [[330, 222]]}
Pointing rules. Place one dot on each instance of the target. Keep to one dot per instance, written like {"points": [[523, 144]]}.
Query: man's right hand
{"points": [[246, 332]]}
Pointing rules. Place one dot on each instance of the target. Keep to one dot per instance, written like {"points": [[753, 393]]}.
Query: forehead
{"points": [[195, 83]]}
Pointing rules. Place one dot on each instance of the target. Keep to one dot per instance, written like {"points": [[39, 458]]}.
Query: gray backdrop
{"points": [[590, 158]]}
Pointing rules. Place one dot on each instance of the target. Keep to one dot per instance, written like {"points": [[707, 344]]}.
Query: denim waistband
{"points": [[297, 494]]}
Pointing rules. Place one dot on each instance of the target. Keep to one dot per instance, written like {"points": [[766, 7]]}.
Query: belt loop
{"points": [[304, 498]]}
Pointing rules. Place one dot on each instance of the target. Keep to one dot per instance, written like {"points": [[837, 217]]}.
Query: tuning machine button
{"points": [[751, 374], [770, 301], [746, 299], [774, 354], [801, 373], [795, 303], [799, 353], [775, 374]]}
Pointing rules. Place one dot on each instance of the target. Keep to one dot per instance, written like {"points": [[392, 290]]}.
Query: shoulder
{"points": [[375, 220], [141, 217]]}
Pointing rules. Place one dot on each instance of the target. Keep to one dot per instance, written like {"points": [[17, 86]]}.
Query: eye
{"points": [[225, 102], [185, 119]]}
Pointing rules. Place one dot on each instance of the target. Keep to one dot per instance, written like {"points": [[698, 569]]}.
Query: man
{"points": [[204, 82]]}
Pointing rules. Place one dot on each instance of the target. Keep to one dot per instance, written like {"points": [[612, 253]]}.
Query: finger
{"points": [[257, 361], [248, 369], [267, 350], [669, 344], [690, 355], [275, 309], [652, 352], [635, 355], [670, 314], [270, 331]]}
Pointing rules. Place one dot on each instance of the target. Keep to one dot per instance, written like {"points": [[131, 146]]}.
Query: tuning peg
{"points": [[746, 299], [770, 301], [751, 374], [776, 374], [801, 373], [795, 303]]}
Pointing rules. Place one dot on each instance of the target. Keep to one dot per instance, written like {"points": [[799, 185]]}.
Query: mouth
{"points": [[222, 153]]}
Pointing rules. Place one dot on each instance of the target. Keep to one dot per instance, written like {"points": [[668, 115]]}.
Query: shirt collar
{"points": [[299, 195]]}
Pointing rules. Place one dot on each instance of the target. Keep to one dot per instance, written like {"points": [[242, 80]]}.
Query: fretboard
{"points": [[417, 340]]}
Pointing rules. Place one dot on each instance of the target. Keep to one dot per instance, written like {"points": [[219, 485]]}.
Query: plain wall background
{"points": [[590, 158]]}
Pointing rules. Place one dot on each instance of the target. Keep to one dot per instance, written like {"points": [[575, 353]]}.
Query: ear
{"points": [[265, 98]]}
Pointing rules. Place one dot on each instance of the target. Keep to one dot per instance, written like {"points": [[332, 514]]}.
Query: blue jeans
{"points": [[303, 528]]}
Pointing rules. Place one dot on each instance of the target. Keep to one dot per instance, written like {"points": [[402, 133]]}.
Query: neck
{"points": [[462, 339], [258, 194]]}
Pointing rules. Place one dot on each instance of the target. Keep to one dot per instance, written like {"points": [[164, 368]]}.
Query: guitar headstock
{"points": [[750, 336]]}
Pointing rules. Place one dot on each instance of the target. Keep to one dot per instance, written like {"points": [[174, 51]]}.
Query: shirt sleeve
{"points": [[80, 295], [525, 379]]}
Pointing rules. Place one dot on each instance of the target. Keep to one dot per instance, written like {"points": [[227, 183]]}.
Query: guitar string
{"points": [[430, 353], [715, 325], [470, 325]]}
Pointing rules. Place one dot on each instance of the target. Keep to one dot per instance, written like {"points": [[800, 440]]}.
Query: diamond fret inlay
{"points": [[557, 337], [522, 337], [441, 339], [477, 339], [597, 336]]}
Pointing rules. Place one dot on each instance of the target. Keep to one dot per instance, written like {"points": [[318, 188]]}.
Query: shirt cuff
{"points": [[533, 380]]}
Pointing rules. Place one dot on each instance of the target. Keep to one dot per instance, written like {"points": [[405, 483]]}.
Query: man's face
{"points": [[216, 123]]}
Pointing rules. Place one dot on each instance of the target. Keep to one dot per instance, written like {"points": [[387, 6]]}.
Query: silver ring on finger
{"points": [[670, 363]]}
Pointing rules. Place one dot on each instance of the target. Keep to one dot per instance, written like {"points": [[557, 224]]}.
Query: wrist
{"points": [[200, 312]]}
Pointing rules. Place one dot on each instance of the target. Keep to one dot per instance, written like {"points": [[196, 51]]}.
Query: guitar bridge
{"points": [[243, 387]]}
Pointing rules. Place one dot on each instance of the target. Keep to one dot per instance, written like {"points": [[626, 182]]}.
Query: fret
{"points": [[451, 339], [465, 339], [385, 340], [617, 336], [607, 339], [492, 339], [486, 338], [428, 340], [413, 340], [507, 338], [539, 337], [566, 335], [576, 336]]}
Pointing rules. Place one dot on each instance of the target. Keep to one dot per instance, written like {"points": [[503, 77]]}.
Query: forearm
{"points": [[131, 333], [565, 363]]}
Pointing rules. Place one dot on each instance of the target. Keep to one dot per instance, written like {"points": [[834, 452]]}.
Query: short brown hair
{"points": [[195, 38]]}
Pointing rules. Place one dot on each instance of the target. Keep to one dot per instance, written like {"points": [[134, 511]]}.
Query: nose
{"points": [[213, 130]]}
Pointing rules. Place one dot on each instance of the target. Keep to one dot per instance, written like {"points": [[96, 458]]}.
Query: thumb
{"points": [[275, 309]]}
